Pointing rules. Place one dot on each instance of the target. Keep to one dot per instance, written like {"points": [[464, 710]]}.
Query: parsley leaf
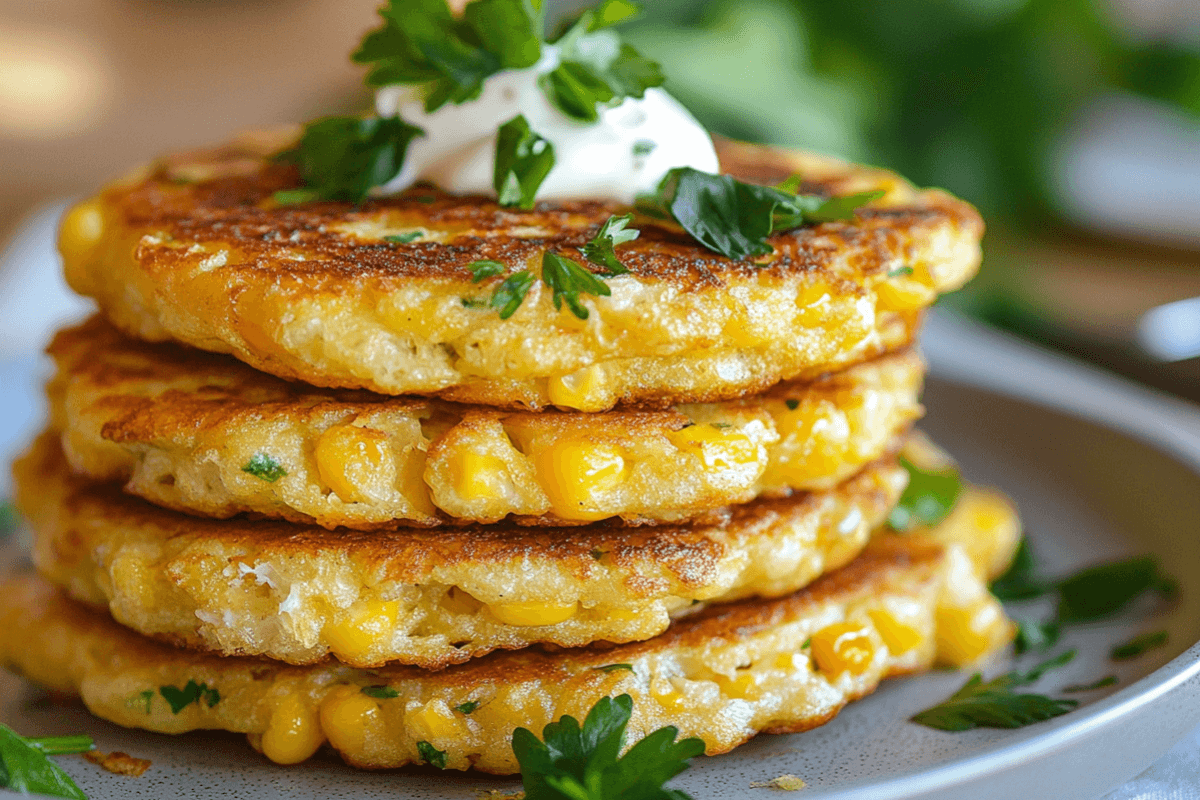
{"points": [[264, 467], [995, 705], [8, 517], [179, 699], [467, 707], [575, 88], [568, 280], [1034, 635], [431, 755], [1104, 590], [928, 498], [523, 160], [485, 269], [511, 293], [792, 404], [1019, 582], [380, 692], [614, 668], [1139, 645], [343, 158], [421, 42], [25, 768], [734, 218], [584, 763], [1108, 680], [403, 238], [601, 250]]}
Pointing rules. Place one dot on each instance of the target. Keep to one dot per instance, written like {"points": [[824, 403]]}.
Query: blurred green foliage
{"points": [[965, 94]]}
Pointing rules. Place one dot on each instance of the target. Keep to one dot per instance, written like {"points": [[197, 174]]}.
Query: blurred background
{"points": [[1073, 124]]}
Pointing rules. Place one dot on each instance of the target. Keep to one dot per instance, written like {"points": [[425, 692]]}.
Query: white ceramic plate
{"points": [[1101, 470]]}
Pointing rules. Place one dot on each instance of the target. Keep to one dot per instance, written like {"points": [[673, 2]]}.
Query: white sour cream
{"points": [[623, 154]]}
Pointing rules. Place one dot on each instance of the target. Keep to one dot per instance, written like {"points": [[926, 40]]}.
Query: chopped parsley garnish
{"points": [[380, 692], [8, 517], [264, 467], [143, 700], [473, 302], [568, 280], [1034, 635], [928, 498], [179, 699], [791, 404], [431, 755], [421, 42], [511, 293], [1107, 680], [1020, 582], [343, 158], [614, 668], [25, 768], [523, 160], [898, 271], [485, 269], [643, 148], [584, 763], [1102, 591], [467, 707], [734, 218], [404, 238], [1139, 645], [995, 705], [601, 250]]}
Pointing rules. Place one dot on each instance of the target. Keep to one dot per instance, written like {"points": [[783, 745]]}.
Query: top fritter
{"points": [[389, 295]]}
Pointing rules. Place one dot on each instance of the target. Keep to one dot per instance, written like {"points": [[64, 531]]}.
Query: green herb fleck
{"points": [[511, 293], [431, 755], [995, 705], [8, 517], [179, 699], [792, 404], [473, 302], [614, 668], [807, 644], [1104, 590], [404, 238], [144, 700], [584, 763], [842, 209], [568, 280], [264, 467], [26, 769], [485, 269], [643, 148], [1139, 645], [597, 553], [467, 707], [523, 160], [1020, 582], [1034, 635], [601, 250], [930, 496], [1108, 680], [343, 158], [380, 692], [791, 185], [898, 271]]}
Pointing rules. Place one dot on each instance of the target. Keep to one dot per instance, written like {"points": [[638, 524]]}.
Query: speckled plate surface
{"points": [[1101, 470]]}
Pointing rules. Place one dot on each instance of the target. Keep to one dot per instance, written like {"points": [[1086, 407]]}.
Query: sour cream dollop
{"points": [[623, 154]]}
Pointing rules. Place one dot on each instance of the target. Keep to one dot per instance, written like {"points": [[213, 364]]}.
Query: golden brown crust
{"points": [[316, 293], [259, 587], [724, 674], [179, 426]]}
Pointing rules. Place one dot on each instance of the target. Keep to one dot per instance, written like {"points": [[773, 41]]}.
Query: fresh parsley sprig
{"points": [[523, 160], [343, 158], [264, 467], [929, 497], [734, 218], [994, 704], [1140, 645], [601, 249], [585, 763], [25, 768], [568, 280]]}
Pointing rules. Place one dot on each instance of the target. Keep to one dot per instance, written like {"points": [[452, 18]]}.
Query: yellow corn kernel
{"points": [[967, 634], [903, 294], [528, 615], [668, 696], [718, 448], [294, 732], [575, 475], [843, 647], [478, 476], [365, 625], [412, 484], [459, 601], [579, 390], [898, 637], [816, 440], [989, 512], [743, 685], [348, 717], [790, 661], [438, 722], [81, 230], [356, 463]]}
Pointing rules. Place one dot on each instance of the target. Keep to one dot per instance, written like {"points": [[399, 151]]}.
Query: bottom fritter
{"points": [[724, 674]]}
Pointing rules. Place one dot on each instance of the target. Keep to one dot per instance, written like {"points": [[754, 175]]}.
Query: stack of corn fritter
{"points": [[365, 476]]}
